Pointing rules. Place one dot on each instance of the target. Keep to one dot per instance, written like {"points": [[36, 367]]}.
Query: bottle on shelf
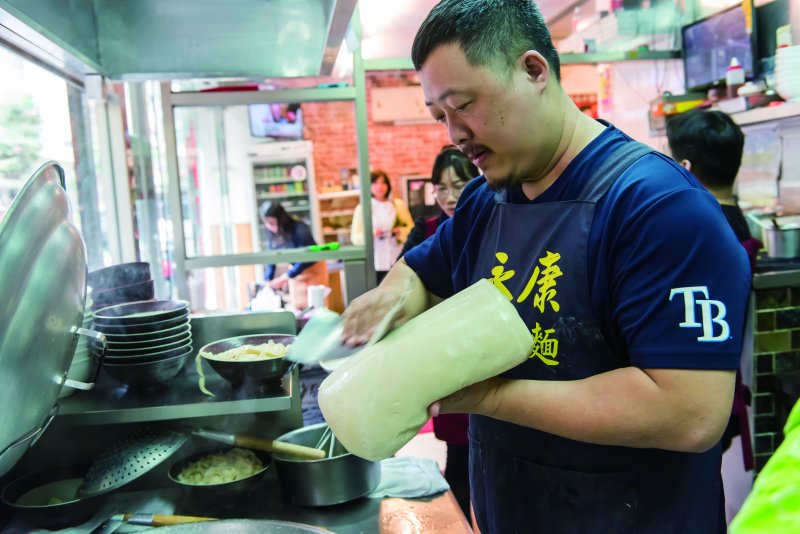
{"points": [[734, 77]]}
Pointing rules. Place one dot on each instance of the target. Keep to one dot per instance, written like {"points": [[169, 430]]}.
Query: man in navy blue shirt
{"points": [[624, 269]]}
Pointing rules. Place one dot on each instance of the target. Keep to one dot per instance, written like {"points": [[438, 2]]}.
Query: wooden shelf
{"points": [[339, 194], [336, 213]]}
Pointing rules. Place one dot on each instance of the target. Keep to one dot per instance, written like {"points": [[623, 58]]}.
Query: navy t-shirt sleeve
{"points": [[432, 262], [679, 284]]}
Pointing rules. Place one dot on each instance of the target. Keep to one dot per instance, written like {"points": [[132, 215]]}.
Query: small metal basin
{"points": [[341, 478]]}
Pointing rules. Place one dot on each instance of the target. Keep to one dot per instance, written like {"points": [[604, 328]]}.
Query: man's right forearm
{"points": [[420, 298]]}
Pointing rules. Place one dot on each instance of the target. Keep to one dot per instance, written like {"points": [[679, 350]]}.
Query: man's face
{"points": [[500, 121]]}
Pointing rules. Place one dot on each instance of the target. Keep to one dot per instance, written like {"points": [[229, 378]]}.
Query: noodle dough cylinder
{"points": [[378, 400]]}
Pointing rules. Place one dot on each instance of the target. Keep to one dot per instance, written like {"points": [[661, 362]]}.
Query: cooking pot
{"points": [[782, 239], [339, 478]]}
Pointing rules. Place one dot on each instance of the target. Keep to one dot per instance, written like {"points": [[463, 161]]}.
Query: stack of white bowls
{"points": [[787, 72], [81, 364]]}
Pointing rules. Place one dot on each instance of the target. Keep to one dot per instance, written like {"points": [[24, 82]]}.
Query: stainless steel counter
{"points": [[439, 514]]}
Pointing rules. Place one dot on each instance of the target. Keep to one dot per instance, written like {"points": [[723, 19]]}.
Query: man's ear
{"points": [[686, 164], [535, 66]]}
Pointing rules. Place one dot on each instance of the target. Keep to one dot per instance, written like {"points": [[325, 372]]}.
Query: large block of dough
{"points": [[378, 400]]}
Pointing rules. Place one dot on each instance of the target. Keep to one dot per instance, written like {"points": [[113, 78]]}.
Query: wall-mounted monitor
{"points": [[283, 121], [710, 43]]}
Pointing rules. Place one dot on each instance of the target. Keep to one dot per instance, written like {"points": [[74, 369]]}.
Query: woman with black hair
{"points": [[284, 231], [451, 172]]}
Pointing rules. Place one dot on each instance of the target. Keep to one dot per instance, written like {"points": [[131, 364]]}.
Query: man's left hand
{"points": [[478, 398]]}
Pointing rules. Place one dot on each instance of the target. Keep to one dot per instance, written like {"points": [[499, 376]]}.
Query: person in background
{"points": [[613, 422], [284, 231], [710, 145], [451, 173], [391, 223]]}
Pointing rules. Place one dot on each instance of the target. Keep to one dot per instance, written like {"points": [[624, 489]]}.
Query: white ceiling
{"points": [[389, 26]]}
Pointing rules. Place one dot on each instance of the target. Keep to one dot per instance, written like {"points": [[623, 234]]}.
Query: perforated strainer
{"points": [[129, 459]]}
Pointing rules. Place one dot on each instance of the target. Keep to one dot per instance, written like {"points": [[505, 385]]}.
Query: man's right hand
{"points": [[365, 312]]}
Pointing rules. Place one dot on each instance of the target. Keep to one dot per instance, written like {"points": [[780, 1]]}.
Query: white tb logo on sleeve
{"points": [[712, 312]]}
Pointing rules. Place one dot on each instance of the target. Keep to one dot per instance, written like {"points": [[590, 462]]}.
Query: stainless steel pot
{"points": [[340, 478], [782, 241]]}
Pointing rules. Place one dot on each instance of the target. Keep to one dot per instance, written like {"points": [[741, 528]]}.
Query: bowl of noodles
{"points": [[220, 473], [256, 358]]}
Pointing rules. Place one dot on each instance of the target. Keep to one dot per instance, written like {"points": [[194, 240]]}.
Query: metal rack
{"points": [[112, 403]]}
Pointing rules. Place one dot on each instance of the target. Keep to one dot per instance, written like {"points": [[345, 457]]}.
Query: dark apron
{"points": [[524, 480]]}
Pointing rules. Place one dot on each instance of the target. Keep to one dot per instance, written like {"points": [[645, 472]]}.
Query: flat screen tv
{"points": [[283, 121], [710, 43]]}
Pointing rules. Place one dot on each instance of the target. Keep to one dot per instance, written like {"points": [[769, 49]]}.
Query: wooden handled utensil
{"points": [[158, 520], [261, 444]]}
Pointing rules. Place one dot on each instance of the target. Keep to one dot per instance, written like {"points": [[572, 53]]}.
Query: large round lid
{"points": [[43, 274]]}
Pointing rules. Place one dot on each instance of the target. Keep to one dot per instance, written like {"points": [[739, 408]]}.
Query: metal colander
{"points": [[129, 459]]}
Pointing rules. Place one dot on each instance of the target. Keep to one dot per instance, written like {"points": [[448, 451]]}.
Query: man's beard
{"points": [[498, 185]]}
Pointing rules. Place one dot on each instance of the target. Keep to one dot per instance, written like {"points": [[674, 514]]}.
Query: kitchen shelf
{"points": [[565, 58], [266, 196], [112, 403], [297, 208], [277, 181], [339, 194], [616, 56], [753, 116]]}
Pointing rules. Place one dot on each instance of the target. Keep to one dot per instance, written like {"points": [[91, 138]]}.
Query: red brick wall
{"points": [[397, 149]]}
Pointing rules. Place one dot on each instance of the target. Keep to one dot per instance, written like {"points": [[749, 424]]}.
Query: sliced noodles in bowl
{"points": [[250, 353]]}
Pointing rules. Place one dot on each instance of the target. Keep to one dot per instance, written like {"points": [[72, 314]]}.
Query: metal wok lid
{"points": [[43, 274]]}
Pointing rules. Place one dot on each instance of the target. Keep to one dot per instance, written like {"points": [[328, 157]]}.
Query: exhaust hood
{"points": [[173, 39]]}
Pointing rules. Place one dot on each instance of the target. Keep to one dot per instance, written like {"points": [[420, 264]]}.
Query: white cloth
{"points": [[410, 477], [386, 248]]}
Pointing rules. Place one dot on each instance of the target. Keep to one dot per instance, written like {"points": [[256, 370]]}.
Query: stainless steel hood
{"points": [[171, 39]]}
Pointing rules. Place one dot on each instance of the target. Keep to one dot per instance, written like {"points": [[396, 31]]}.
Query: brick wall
{"points": [[397, 149], [777, 350]]}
